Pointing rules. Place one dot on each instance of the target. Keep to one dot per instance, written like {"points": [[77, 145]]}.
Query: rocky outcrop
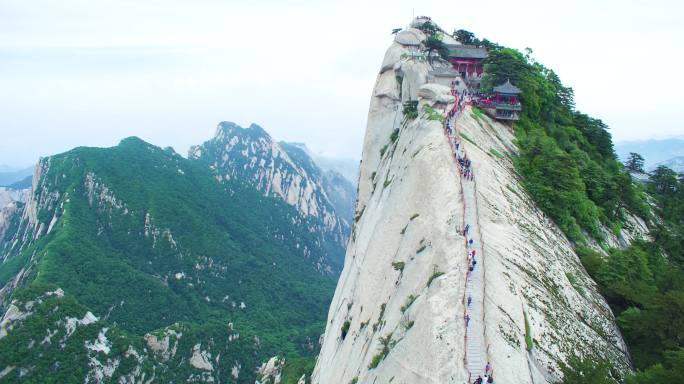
{"points": [[398, 311], [284, 170], [11, 204], [271, 371], [7, 214], [200, 359], [164, 345], [342, 194], [8, 195], [336, 176]]}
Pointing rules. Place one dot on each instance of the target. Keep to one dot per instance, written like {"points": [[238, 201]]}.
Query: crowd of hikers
{"points": [[465, 168]]}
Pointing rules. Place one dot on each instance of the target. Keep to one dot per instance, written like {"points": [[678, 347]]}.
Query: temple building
{"points": [[467, 60], [506, 101], [503, 103]]}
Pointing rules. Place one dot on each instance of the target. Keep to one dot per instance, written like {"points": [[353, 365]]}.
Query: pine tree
{"points": [[434, 43], [635, 163], [466, 37]]}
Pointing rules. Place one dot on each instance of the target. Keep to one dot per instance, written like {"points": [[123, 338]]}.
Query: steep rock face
{"points": [[398, 310], [342, 194], [250, 155], [8, 215], [9, 195], [349, 168], [337, 177], [27, 224], [12, 201]]}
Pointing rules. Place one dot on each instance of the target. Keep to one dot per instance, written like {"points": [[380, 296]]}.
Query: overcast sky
{"points": [[91, 72]]}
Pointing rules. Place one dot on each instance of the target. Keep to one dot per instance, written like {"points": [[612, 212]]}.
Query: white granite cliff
{"points": [[398, 311]]}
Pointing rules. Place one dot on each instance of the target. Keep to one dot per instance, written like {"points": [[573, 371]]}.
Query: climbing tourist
{"points": [[467, 319], [478, 381], [470, 299], [487, 368]]}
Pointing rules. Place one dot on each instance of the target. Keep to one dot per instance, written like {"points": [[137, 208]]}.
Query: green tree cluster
{"points": [[434, 43], [635, 162], [469, 38], [569, 167], [566, 157], [466, 37], [644, 285]]}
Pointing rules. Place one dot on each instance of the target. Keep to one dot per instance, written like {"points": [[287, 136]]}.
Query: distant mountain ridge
{"points": [[280, 169], [675, 163], [653, 151], [8, 177], [349, 168], [338, 189]]}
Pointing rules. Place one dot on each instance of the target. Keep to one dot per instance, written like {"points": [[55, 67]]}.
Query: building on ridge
{"points": [[468, 61], [503, 103]]}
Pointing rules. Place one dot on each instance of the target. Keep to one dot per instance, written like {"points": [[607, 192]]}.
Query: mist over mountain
{"points": [[11, 176], [675, 163], [653, 151]]}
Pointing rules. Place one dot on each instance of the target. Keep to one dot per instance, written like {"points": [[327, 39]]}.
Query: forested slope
{"points": [[568, 165], [151, 244]]}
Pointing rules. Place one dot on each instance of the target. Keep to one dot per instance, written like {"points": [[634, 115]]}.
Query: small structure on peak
{"points": [[425, 24], [467, 60], [418, 21], [503, 103]]}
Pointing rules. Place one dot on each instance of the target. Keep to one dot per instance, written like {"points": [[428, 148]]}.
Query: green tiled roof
{"points": [[507, 88], [467, 52]]}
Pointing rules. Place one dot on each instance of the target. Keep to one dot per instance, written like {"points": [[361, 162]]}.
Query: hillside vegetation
{"points": [[644, 285], [150, 242], [568, 165], [567, 161]]}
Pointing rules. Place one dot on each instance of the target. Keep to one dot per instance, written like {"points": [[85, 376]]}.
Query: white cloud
{"points": [[83, 72]]}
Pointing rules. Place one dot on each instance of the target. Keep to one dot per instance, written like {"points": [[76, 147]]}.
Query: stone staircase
{"points": [[475, 344]]}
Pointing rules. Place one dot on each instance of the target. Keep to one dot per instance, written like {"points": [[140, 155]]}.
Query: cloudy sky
{"points": [[90, 72]]}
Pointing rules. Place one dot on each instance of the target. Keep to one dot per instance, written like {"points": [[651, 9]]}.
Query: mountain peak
{"points": [[227, 129], [283, 170], [420, 228], [132, 140]]}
